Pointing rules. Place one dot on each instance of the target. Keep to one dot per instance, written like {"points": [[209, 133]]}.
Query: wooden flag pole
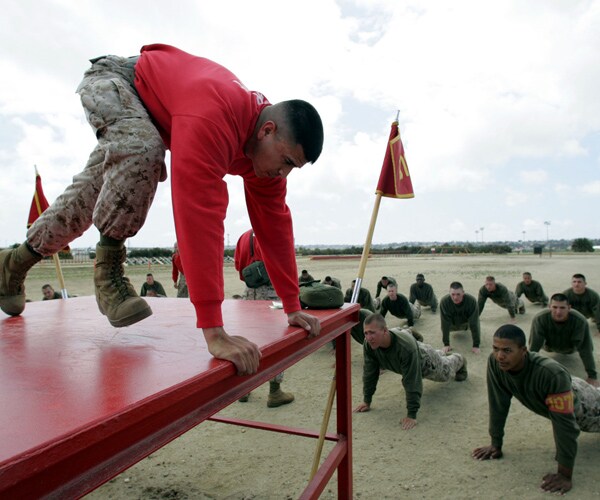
{"points": [[361, 273], [366, 250], [323, 431]]}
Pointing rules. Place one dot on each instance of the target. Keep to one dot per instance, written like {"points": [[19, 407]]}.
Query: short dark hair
{"points": [[304, 271], [511, 332], [149, 274], [455, 285], [559, 297], [305, 126], [490, 278], [375, 318], [527, 273], [327, 278], [420, 275], [47, 285], [579, 276]]}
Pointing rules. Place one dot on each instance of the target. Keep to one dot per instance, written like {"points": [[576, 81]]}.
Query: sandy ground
{"points": [[217, 461]]}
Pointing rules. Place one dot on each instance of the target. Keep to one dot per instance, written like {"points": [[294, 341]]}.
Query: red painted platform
{"points": [[82, 401]]}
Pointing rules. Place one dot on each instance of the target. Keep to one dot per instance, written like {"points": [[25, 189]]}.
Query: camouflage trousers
{"points": [[433, 303], [264, 292], [436, 366], [587, 410], [182, 288], [416, 310], [116, 188]]}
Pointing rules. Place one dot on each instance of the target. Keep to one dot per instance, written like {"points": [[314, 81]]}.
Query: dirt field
{"points": [[216, 461]]}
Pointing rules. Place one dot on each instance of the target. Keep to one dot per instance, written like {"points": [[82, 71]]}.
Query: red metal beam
{"points": [[83, 401]]}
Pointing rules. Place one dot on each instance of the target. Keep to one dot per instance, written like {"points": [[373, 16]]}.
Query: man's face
{"points": [[274, 155], [420, 281], [490, 286], [457, 295], [384, 282], [510, 357], [48, 293], [559, 311], [578, 285], [150, 280], [527, 279], [392, 292], [375, 335]]}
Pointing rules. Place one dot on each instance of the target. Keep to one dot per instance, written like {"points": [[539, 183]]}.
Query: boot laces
{"points": [[120, 282]]}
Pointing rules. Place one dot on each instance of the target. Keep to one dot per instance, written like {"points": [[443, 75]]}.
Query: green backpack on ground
{"points": [[316, 295]]}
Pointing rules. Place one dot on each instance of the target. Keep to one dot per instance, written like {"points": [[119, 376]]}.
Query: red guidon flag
{"points": [[39, 203], [394, 180]]}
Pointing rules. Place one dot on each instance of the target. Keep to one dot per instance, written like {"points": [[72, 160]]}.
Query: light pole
{"points": [[476, 236], [481, 229], [547, 224]]}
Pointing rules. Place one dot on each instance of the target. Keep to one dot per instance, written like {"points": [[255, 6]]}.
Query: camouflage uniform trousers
{"points": [[117, 186], [587, 409], [416, 310], [182, 288], [264, 292], [433, 303], [436, 366], [514, 303]]}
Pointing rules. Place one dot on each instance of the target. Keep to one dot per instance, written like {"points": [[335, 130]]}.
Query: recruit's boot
{"points": [[462, 374], [277, 397], [115, 296], [14, 264]]}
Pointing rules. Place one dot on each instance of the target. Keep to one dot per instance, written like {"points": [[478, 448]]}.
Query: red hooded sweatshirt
{"points": [[206, 116]]}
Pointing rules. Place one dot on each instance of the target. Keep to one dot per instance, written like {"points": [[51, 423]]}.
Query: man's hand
{"points": [[307, 321], [447, 349], [487, 453], [556, 483], [513, 320], [174, 285], [408, 423], [361, 408], [476, 350], [593, 381], [244, 354]]}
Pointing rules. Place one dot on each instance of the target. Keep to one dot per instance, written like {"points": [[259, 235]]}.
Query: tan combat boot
{"points": [[115, 296], [277, 397], [14, 264]]}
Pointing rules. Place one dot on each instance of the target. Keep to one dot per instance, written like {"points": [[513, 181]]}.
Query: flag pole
{"points": [[361, 272], [59, 273], [401, 188], [367, 248]]}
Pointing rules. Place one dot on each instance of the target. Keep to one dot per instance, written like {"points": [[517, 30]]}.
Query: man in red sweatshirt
{"points": [[213, 125]]}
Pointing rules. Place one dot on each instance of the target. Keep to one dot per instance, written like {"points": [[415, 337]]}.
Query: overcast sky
{"points": [[499, 108]]}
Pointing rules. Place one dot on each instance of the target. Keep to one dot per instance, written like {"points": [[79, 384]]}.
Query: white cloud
{"points": [[492, 96], [537, 176], [592, 188]]}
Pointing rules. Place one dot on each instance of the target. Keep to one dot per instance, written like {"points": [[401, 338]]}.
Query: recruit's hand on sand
{"points": [[307, 321], [487, 453], [557, 483], [408, 423], [361, 408], [244, 354]]}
